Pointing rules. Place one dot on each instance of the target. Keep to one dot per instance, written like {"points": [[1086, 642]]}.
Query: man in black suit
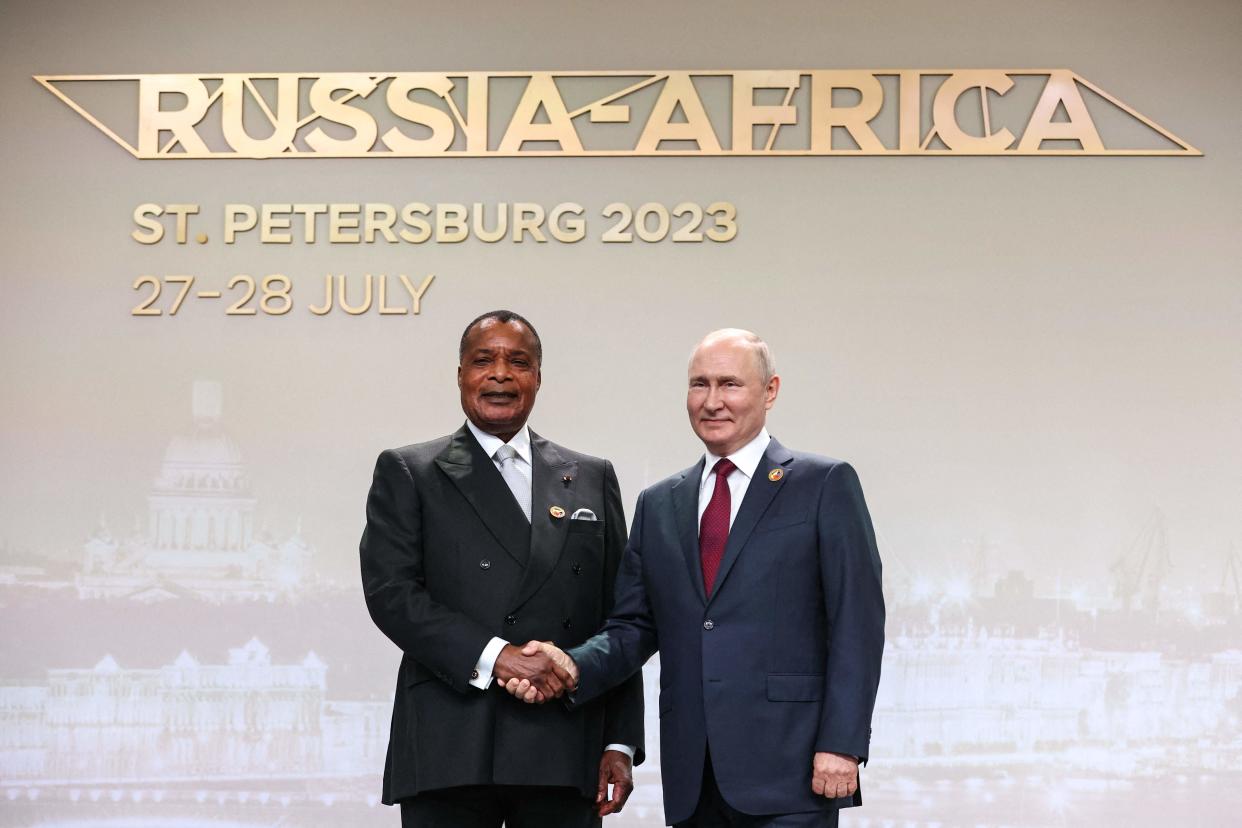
{"points": [[756, 575], [475, 543]]}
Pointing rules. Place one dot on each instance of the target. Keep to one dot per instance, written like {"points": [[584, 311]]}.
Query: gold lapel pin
{"points": [[776, 474], [556, 512]]}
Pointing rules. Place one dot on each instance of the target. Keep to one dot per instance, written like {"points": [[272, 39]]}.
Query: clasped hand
{"points": [[537, 672]]}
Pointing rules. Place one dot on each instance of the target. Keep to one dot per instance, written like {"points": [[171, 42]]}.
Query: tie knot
{"points": [[724, 467], [506, 453]]}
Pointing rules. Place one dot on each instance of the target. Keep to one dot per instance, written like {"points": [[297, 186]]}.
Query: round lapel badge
{"points": [[776, 474], [556, 512]]}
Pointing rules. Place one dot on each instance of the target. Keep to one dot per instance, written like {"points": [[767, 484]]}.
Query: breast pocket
{"points": [[783, 520], [586, 527]]}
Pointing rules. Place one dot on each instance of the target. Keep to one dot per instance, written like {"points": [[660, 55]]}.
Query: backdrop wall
{"points": [[1032, 362]]}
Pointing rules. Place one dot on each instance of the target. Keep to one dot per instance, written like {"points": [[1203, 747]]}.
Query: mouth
{"points": [[499, 397]]}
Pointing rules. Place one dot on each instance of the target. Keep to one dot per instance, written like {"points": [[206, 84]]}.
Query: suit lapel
{"points": [[547, 533], [758, 497], [479, 481], [686, 508]]}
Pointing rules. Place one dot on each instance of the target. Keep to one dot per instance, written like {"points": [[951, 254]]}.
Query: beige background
{"points": [[1032, 362]]}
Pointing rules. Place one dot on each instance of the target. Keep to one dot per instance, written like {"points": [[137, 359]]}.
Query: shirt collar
{"points": [[490, 442], [746, 458]]}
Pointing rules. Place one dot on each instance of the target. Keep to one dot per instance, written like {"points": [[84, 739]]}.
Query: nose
{"points": [[714, 399], [501, 371]]}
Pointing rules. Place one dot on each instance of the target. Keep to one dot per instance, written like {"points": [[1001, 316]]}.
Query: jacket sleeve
{"points": [[853, 594], [623, 705], [444, 641], [628, 637]]}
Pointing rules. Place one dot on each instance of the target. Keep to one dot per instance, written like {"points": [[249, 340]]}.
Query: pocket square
{"points": [[583, 514]]}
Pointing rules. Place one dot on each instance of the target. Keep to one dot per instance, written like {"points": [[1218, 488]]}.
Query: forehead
{"points": [[492, 334], [724, 357]]}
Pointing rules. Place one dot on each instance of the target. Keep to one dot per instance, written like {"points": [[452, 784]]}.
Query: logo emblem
{"points": [[776, 474], [556, 512]]}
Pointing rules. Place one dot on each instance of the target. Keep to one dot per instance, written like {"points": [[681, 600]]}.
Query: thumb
{"points": [[602, 793], [531, 647]]}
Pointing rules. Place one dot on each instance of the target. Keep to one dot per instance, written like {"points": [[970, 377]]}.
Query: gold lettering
{"points": [[327, 296], [540, 92], [144, 217], [502, 222], [411, 216], [338, 111], [152, 119], [383, 299], [825, 115], [438, 121], [944, 118], [342, 217], [417, 295], [451, 224], [273, 217], [678, 90], [238, 218], [354, 310], [284, 120], [1061, 89], [747, 114], [571, 229]]}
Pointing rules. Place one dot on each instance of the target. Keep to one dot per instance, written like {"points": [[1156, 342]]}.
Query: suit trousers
{"points": [[714, 812], [488, 806]]}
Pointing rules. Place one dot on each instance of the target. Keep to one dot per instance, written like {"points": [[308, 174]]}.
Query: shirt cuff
{"points": [[626, 749], [481, 677]]}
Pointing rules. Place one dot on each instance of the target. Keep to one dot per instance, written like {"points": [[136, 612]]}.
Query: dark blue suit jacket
{"points": [[781, 661]]}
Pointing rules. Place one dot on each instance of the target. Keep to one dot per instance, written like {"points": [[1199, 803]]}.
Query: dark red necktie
{"points": [[714, 526]]}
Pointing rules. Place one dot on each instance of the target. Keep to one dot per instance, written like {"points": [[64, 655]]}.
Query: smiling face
{"points": [[728, 398], [499, 376]]}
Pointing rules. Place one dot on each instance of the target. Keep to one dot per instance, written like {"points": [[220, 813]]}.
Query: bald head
{"points": [[762, 354], [732, 384]]}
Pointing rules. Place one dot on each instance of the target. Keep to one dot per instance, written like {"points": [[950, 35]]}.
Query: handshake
{"points": [[535, 672]]}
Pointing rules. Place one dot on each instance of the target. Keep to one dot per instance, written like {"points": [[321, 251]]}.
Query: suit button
{"points": [[510, 619], [485, 564], [567, 623], [709, 624], [577, 569]]}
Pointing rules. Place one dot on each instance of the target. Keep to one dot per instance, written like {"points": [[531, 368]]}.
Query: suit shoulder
{"points": [[416, 454], [820, 466], [581, 458], [666, 485]]}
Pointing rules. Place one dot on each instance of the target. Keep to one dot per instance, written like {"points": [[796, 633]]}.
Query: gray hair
{"points": [[763, 354]]}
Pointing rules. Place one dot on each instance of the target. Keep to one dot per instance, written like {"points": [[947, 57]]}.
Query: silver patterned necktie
{"points": [[518, 484]]}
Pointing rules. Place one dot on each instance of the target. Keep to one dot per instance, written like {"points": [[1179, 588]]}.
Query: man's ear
{"points": [[459, 376], [774, 387], [538, 378]]}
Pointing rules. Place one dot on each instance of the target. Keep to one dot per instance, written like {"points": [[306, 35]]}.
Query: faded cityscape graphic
{"points": [[211, 677]]}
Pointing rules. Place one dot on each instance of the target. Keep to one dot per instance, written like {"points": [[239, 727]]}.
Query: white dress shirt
{"points": [[521, 444], [747, 460]]}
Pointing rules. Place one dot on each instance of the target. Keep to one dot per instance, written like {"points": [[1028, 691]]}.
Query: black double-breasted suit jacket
{"points": [[449, 562]]}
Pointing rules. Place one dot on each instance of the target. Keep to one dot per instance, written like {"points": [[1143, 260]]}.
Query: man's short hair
{"points": [[763, 354], [502, 316]]}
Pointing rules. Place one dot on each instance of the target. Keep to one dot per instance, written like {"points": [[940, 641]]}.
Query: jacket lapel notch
{"points": [[479, 481]]}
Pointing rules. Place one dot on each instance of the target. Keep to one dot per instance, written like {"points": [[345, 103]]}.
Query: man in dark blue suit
{"points": [[755, 574]]}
